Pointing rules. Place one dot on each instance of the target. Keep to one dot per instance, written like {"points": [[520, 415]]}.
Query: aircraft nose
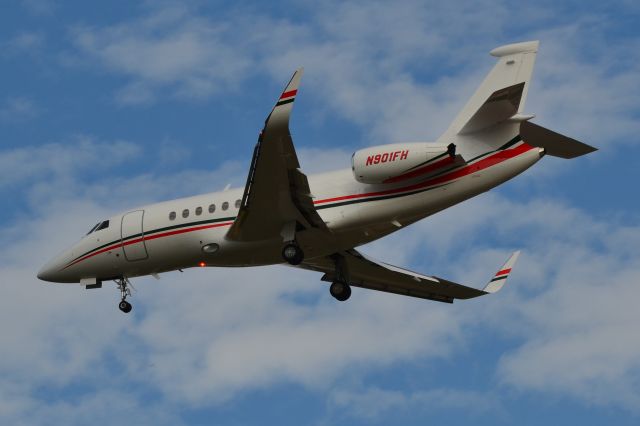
{"points": [[51, 271], [46, 273]]}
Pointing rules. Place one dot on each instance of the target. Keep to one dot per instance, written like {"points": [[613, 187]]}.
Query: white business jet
{"points": [[316, 222]]}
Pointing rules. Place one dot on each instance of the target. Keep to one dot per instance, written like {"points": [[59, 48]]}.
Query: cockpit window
{"points": [[103, 225], [99, 226], [94, 228]]}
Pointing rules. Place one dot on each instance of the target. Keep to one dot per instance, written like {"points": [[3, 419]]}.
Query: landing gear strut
{"points": [[340, 290], [125, 290]]}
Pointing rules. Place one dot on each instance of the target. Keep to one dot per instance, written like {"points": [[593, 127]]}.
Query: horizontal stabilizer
{"points": [[553, 143]]}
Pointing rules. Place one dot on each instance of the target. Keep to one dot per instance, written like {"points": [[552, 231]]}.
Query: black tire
{"points": [[125, 306], [292, 254], [340, 291]]}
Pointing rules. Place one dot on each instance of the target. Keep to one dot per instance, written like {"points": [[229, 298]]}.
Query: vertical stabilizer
{"points": [[502, 94]]}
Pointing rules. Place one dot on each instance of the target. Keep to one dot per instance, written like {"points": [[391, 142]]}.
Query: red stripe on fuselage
{"points": [[147, 238], [421, 171], [495, 158], [492, 160]]}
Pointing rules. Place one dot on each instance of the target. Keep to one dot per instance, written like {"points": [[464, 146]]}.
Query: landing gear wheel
{"points": [[293, 254], [125, 306], [341, 291], [125, 290]]}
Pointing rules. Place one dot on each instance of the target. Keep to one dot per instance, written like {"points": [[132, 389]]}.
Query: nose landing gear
{"points": [[125, 306], [125, 290]]}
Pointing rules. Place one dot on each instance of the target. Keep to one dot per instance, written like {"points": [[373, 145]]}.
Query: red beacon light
{"points": [[202, 264]]}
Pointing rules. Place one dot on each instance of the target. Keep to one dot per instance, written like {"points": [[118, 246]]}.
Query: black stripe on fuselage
{"points": [[424, 163], [380, 197], [507, 145], [155, 231]]}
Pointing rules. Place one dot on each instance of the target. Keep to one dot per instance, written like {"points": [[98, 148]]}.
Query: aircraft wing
{"points": [[277, 199], [361, 271]]}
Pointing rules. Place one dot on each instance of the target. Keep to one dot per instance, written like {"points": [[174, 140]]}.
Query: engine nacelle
{"points": [[401, 161]]}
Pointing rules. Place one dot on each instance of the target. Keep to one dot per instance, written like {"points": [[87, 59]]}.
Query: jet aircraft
{"points": [[316, 222]]}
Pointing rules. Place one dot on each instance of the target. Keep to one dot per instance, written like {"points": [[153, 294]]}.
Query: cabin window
{"points": [[198, 211], [212, 208], [103, 225], [225, 205], [238, 203], [172, 216], [185, 213]]}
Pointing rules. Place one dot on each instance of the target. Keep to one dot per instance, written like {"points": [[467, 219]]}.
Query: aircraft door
{"points": [[132, 236]]}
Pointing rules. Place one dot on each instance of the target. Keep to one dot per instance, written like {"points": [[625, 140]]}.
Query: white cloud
{"points": [[317, 160], [570, 300], [211, 335], [582, 84], [40, 7], [59, 160], [231, 331], [18, 109], [578, 338], [373, 63], [107, 407], [168, 49], [24, 42], [242, 330], [372, 404]]}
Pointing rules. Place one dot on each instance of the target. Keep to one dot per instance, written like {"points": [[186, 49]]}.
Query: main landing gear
{"points": [[340, 290], [125, 290], [292, 253]]}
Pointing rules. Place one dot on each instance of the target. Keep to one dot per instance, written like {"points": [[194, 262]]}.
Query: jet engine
{"points": [[402, 162]]}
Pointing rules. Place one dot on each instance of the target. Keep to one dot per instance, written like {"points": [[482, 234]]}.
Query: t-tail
{"points": [[494, 118]]}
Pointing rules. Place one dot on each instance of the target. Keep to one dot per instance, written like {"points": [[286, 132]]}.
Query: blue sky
{"points": [[111, 105]]}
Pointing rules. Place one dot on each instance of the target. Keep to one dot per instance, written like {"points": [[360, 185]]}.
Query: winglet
{"points": [[290, 92], [500, 278], [282, 110]]}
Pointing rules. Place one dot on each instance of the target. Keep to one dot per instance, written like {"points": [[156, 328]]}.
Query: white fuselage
{"points": [[150, 240]]}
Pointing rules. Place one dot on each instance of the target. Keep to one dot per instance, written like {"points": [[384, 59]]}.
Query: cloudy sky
{"points": [[107, 105]]}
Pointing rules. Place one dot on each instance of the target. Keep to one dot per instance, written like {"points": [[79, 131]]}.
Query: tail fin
{"points": [[502, 94]]}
